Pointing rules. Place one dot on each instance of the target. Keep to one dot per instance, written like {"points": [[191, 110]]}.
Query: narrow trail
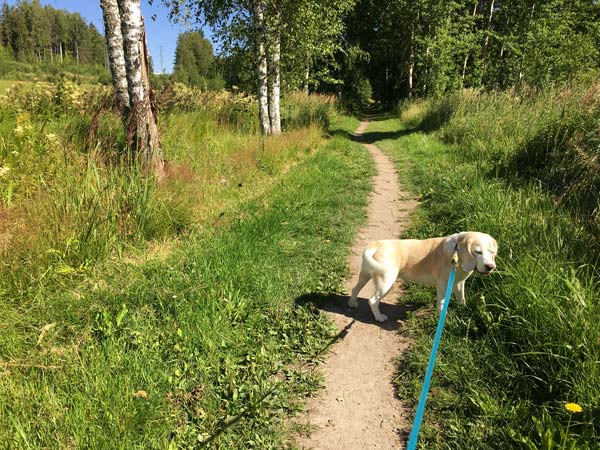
{"points": [[358, 408]]}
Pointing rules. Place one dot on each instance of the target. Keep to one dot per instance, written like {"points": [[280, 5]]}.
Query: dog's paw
{"points": [[353, 303], [381, 318]]}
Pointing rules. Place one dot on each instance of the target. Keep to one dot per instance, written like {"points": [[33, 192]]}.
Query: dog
{"points": [[426, 262]]}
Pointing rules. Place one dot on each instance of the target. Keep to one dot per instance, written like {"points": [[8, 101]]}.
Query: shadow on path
{"points": [[338, 304]]}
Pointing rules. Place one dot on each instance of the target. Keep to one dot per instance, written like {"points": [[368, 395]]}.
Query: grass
{"points": [[166, 316], [526, 343], [551, 136]]}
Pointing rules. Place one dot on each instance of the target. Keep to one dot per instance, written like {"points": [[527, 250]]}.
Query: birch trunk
{"points": [[464, 72], [411, 63], [275, 84], [521, 74], [115, 56], [306, 78], [489, 27], [61, 53], [263, 102], [142, 128]]}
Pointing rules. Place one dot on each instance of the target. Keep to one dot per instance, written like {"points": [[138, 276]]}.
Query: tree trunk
{"points": [[61, 52], [142, 127], [275, 83], [115, 56], [411, 62], [464, 72], [411, 69], [489, 27], [521, 74], [262, 73], [306, 78]]}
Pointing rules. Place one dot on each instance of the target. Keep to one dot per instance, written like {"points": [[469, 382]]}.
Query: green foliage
{"points": [[194, 62], [310, 37], [442, 46], [44, 34]]}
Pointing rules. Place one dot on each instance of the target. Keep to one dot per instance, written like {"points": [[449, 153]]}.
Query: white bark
{"points": [[464, 72], [306, 79], [115, 55], [263, 102], [411, 62], [275, 84], [142, 127], [489, 27]]}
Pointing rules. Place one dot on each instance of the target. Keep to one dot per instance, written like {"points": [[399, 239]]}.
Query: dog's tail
{"points": [[372, 263]]}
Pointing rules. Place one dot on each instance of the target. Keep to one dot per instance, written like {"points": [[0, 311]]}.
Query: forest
{"points": [[34, 33], [175, 247]]}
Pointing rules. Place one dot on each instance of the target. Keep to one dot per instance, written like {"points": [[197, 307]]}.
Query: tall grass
{"points": [[551, 136], [527, 342]]}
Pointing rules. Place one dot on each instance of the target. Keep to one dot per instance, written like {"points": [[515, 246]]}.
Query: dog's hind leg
{"points": [[383, 285], [363, 279]]}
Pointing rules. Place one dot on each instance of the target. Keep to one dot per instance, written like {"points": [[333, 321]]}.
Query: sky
{"points": [[160, 33]]}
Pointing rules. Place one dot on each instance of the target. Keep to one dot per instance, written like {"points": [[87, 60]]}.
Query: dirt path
{"points": [[358, 409]]}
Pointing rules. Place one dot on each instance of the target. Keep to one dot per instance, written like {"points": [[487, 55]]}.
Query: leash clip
{"points": [[455, 258]]}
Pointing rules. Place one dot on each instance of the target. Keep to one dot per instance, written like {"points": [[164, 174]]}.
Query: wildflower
{"points": [[19, 130], [573, 407], [52, 138], [4, 170]]}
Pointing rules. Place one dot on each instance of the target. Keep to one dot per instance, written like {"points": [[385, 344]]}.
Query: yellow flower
{"points": [[4, 170], [573, 407], [19, 130]]}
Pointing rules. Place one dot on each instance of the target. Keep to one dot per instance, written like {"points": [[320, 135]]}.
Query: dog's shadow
{"points": [[338, 304]]}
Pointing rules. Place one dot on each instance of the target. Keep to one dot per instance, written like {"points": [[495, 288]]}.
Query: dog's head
{"points": [[476, 251]]}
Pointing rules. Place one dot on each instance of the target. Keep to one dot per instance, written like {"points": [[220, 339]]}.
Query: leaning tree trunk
{"points": [[263, 102], [275, 84], [142, 130], [116, 58]]}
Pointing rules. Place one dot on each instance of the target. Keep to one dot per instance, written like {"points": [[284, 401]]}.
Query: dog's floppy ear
{"points": [[450, 243]]}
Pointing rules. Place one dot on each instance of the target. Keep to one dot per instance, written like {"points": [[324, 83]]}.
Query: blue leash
{"points": [[414, 434]]}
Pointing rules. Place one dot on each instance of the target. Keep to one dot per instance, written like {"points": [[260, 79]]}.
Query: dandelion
{"points": [[573, 407]]}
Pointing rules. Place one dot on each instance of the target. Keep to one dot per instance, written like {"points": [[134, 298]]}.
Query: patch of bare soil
{"points": [[358, 408]]}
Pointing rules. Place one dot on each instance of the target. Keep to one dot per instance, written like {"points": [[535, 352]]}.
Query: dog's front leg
{"points": [[459, 292], [441, 293]]}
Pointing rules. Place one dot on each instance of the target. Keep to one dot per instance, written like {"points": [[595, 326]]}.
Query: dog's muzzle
{"points": [[488, 268]]}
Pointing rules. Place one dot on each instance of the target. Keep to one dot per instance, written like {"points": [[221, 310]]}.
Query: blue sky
{"points": [[159, 32]]}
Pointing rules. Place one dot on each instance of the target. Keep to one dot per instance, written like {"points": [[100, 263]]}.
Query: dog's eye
{"points": [[478, 252]]}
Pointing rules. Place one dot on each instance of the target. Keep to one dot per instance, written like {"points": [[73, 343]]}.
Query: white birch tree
{"points": [[137, 107]]}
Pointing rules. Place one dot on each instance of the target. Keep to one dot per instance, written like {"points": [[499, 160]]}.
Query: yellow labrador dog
{"points": [[425, 261]]}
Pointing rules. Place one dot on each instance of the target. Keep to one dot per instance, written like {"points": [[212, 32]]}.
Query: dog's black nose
{"points": [[490, 267]]}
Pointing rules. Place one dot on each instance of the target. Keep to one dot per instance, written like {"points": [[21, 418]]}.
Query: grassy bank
{"points": [[527, 341], [549, 136], [165, 316]]}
